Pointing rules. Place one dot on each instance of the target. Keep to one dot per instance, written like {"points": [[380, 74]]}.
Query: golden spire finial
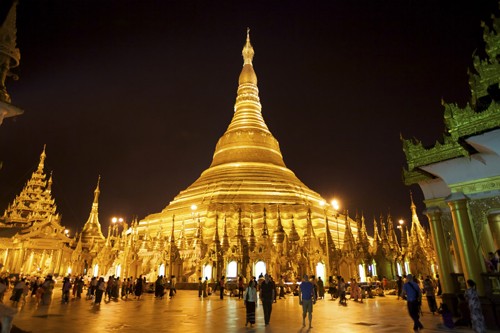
{"points": [[248, 51], [42, 160]]}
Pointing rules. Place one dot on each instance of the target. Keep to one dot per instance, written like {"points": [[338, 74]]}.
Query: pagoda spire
{"points": [[265, 231], [247, 139], [92, 228], [251, 238], [279, 232], [225, 237], [294, 235]]}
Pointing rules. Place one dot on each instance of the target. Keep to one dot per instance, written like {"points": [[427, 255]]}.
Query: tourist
{"points": [[438, 286], [281, 288], [66, 288], [3, 288], [250, 298], [267, 293], [79, 287], [205, 287], [384, 283], [240, 287], [342, 298], [173, 283], [476, 314], [200, 287], [222, 286], [307, 299], [430, 294], [413, 297], [332, 290], [6, 316], [321, 288], [315, 286], [125, 288], [101, 287], [47, 289], [139, 287], [399, 287], [26, 290], [17, 292], [159, 287]]}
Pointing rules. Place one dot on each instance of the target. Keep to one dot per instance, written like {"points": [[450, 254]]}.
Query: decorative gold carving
{"points": [[479, 209], [477, 186], [417, 155]]}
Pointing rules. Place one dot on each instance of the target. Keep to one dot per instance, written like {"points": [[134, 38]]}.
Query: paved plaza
{"points": [[187, 313]]}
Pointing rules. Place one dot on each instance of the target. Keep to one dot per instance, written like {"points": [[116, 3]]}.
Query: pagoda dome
{"points": [[247, 176]]}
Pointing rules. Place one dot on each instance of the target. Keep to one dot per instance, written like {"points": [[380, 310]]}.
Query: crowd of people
{"points": [[263, 288]]}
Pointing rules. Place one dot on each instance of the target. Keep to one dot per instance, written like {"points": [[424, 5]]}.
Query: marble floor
{"points": [[187, 313]]}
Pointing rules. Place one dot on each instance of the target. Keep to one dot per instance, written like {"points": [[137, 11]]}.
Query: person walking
{"points": [[307, 299], [267, 293], [413, 298], [321, 288], [200, 287], [101, 287], [139, 287], [250, 298], [399, 286], [476, 314], [222, 286], [430, 294], [47, 288], [240, 287], [205, 287]]}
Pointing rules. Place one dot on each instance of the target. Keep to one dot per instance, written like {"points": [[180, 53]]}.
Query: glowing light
{"points": [[194, 207], [335, 204]]}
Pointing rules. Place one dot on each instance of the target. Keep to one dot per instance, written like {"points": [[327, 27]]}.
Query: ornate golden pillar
{"points": [[471, 259], [441, 246]]}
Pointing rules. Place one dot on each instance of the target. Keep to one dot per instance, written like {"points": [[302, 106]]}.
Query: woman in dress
{"points": [[250, 302], [476, 313]]}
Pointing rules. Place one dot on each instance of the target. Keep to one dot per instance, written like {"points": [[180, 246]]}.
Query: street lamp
{"points": [[404, 244], [336, 207], [401, 227], [115, 221]]}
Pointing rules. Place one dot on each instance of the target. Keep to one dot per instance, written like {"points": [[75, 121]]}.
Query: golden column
{"points": [[444, 268], [470, 258]]}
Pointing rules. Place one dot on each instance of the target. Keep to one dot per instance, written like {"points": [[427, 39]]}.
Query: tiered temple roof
{"points": [[34, 203]]}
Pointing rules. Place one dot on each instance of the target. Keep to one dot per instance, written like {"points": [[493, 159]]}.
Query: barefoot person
{"points": [[413, 297], [307, 299]]}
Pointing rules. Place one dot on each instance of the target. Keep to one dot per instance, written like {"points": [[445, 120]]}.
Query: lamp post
{"points": [[336, 206], [404, 244], [115, 221]]}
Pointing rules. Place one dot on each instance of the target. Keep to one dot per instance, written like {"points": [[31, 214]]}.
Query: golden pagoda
{"points": [[34, 203], [249, 191]]}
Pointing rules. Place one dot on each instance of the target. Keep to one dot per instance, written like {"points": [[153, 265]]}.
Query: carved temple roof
{"points": [[35, 202], [480, 115]]}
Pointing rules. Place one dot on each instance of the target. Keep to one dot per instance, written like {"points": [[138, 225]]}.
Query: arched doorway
{"points": [[118, 270], [260, 268], [232, 269], [320, 271], [161, 270], [95, 272], [207, 271]]}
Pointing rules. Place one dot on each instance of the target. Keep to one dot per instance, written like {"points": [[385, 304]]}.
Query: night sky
{"points": [[139, 92]]}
